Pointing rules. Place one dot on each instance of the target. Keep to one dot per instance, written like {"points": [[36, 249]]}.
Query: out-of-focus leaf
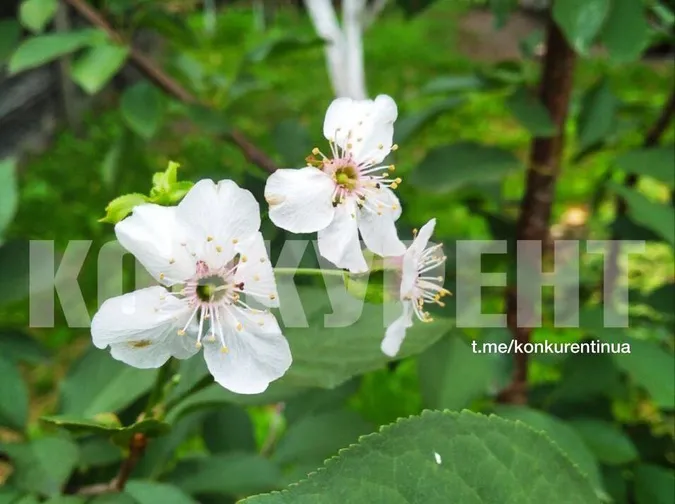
{"points": [[18, 346], [150, 427], [228, 429], [10, 33], [41, 49], [292, 141], [453, 166], [43, 465], [610, 445], [153, 492], [501, 10], [14, 396], [452, 83], [280, 45], [317, 401], [14, 281], [656, 162], [654, 484], [142, 108], [598, 114], [9, 193], [626, 31], [411, 124], [94, 69], [97, 383], [66, 499], [659, 217], [530, 112], [661, 299], [111, 162], [122, 206], [98, 451], [36, 14], [586, 376], [413, 7], [580, 21], [211, 121]]}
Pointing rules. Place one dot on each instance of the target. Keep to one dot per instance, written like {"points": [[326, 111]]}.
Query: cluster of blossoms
{"points": [[207, 253]]}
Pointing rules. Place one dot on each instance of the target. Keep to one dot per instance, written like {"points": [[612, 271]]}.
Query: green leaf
{"points": [[9, 193], [655, 162], [98, 65], [152, 492], [501, 10], [14, 281], [41, 49], [314, 438], [626, 31], [122, 206], [530, 112], [9, 495], [315, 401], [598, 114], [411, 124], [18, 346], [10, 34], [120, 435], [97, 383], [610, 445], [232, 474], [229, 428], [659, 217], [212, 121], [654, 484], [414, 7], [467, 457], [587, 376], [36, 14], [580, 21], [452, 84], [451, 375], [14, 397], [292, 141], [450, 167], [66, 499], [567, 439], [43, 465], [281, 45], [142, 108]]}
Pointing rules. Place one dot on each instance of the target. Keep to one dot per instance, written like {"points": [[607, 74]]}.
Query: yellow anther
{"points": [[385, 174], [235, 241], [273, 297], [415, 232], [209, 238], [256, 277], [243, 259], [198, 344], [398, 180], [349, 146], [392, 167], [261, 323], [394, 207], [161, 276], [224, 349], [211, 338], [219, 249], [394, 147], [239, 326], [393, 185], [315, 151], [172, 261]]}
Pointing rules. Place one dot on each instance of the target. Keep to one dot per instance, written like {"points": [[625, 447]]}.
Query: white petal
{"points": [[255, 270], [141, 328], [300, 200], [339, 242], [155, 236], [422, 239], [218, 216], [395, 333], [376, 223], [256, 355]]}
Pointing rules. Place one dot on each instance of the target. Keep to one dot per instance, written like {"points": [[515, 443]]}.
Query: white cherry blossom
{"points": [[207, 252], [418, 286], [346, 191]]}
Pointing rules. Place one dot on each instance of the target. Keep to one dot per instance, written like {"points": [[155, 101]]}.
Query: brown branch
{"points": [[165, 82], [535, 210], [651, 139]]}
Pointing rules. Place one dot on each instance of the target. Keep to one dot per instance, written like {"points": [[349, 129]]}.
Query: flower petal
{"points": [[256, 355], [141, 328], [339, 242], [300, 200], [423, 236], [376, 223], [218, 215], [395, 333], [155, 236], [255, 271]]}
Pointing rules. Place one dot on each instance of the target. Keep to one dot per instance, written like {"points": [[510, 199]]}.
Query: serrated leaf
{"points": [[122, 206], [609, 444], [9, 193], [444, 457], [530, 112], [10, 34], [626, 31], [36, 14], [654, 484], [94, 69], [411, 124], [580, 21], [597, 118], [451, 167], [659, 217], [41, 49], [14, 396], [655, 162], [43, 465], [142, 108], [153, 492]]}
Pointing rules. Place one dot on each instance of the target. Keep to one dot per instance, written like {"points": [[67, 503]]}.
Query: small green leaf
{"points": [[211, 121], [41, 49], [36, 14], [469, 457], [9, 193], [659, 217], [120, 435], [66, 499], [122, 206], [654, 484], [580, 21], [10, 34], [14, 397], [501, 10], [452, 84], [229, 428], [450, 167], [142, 108], [609, 444], [18, 346], [282, 45], [655, 162], [98, 65], [411, 124], [43, 465], [530, 112], [626, 31], [598, 115], [153, 492]]}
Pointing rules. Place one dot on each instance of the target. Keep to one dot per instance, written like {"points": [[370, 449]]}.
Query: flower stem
{"points": [[309, 271]]}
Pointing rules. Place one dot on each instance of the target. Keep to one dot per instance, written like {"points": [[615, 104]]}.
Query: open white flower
{"points": [[210, 251], [418, 286], [349, 190]]}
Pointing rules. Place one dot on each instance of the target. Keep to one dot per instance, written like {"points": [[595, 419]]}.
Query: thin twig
{"points": [[156, 75]]}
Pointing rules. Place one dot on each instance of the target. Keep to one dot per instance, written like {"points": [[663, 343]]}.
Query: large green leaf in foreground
{"points": [[445, 458]]}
